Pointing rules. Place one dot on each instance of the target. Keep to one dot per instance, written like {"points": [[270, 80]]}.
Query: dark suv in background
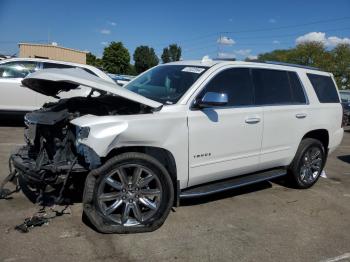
{"points": [[345, 100]]}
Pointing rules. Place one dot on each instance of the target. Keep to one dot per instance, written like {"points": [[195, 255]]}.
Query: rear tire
{"points": [[130, 193], [308, 163]]}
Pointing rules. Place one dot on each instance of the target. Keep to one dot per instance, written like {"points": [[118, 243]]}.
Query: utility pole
{"points": [[219, 45]]}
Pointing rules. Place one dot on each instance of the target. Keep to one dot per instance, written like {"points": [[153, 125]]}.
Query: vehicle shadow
{"points": [[345, 158], [211, 114], [12, 121], [226, 194]]}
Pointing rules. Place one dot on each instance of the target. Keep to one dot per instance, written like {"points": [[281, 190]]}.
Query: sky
{"points": [[218, 28]]}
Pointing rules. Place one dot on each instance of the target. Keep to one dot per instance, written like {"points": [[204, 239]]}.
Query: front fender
{"points": [[104, 131]]}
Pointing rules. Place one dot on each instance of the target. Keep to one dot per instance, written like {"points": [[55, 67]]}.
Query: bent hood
{"points": [[51, 82]]}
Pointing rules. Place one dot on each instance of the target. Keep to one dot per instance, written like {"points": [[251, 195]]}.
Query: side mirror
{"points": [[212, 99]]}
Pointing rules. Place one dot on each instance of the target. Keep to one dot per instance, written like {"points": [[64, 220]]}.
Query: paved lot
{"points": [[266, 222]]}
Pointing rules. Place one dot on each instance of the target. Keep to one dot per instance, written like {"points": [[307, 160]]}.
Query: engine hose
{"points": [[60, 196]]}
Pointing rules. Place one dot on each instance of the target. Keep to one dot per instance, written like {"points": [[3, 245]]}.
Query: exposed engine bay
{"points": [[52, 159]]}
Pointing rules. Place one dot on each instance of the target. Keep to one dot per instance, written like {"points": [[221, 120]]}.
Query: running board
{"points": [[235, 182]]}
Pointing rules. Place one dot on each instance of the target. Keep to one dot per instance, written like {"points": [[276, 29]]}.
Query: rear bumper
{"points": [[335, 139]]}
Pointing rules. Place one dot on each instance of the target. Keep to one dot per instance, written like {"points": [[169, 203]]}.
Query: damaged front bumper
{"points": [[36, 173]]}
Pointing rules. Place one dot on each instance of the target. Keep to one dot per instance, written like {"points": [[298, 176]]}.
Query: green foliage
{"points": [[116, 58], [175, 52], [131, 70], [171, 53], [144, 58], [315, 54], [93, 60], [166, 55], [341, 69], [279, 55]]}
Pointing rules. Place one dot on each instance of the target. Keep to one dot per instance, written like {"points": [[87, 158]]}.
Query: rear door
{"points": [[225, 141], [282, 98], [13, 96]]}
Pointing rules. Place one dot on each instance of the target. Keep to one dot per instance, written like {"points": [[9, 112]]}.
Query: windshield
{"points": [[167, 83]]}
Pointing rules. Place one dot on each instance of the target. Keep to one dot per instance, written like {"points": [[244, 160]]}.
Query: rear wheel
{"points": [[132, 193], [308, 163]]}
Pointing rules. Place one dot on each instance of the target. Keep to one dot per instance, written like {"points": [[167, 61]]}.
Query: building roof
{"points": [[16, 59], [54, 46]]}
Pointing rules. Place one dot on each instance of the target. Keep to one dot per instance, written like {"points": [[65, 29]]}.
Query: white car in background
{"points": [[16, 99], [121, 80]]}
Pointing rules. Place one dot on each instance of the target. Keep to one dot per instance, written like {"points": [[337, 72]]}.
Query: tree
{"points": [[315, 54], [131, 70], [144, 58], [308, 53], [341, 70], [311, 54], [280, 55], [116, 58], [171, 53], [93, 60], [166, 55], [175, 52]]}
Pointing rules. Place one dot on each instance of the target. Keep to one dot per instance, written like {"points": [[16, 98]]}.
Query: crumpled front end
{"points": [[67, 139], [49, 157]]}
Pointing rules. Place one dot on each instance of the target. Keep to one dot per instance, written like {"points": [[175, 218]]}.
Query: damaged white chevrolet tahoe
{"points": [[179, 130]]}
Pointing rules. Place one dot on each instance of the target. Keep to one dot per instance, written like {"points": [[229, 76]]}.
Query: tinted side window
{"points": [[271, 87], [54, 65], [236, 83], [296, 88], [324, 87]]}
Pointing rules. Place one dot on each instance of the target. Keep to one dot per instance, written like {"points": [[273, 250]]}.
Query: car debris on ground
{"points": [[42, 217], [45, 213]]}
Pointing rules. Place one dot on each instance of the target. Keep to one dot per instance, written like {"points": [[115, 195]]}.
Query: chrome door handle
{"points": [[252, 120], [300, 115]]}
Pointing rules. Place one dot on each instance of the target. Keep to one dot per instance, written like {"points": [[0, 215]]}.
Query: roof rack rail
{"points": [[294, 65], [224, 59]]}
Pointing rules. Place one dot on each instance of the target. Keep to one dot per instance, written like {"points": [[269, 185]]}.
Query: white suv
{"points": [[179, 130], [16, 99]]}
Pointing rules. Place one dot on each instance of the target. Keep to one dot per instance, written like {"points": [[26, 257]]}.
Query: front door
{"points": [[225, 141]]}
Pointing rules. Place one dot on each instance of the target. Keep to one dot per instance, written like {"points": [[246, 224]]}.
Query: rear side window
{"points": [[271, 87], [277, 87], [62, 66], [236, 83], [324, 87], [18, 69]]}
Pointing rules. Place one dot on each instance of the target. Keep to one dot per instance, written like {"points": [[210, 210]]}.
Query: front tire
{"points": [[308, 163], [130, 193]]}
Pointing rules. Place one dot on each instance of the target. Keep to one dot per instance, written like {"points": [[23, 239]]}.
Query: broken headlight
{"points": [[82, 132]]}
